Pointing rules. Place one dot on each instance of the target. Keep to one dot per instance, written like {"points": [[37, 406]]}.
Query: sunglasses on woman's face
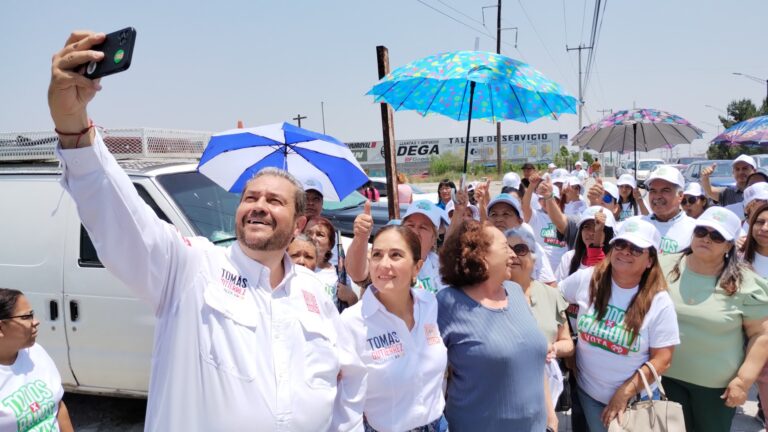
{"points": [[701, 232], [690, 200], [521, 249], [621, 245]]}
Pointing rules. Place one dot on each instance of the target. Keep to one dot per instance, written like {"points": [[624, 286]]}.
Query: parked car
{"points": [[644, 167], [761, 160], [343, 213], [722, 177], [380, 183]]}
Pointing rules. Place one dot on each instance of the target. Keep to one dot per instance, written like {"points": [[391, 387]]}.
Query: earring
{"points": [[413, 282]]}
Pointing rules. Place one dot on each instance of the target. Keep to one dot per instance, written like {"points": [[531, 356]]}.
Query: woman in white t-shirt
{"points": [[630, 200], [397, 337], [424, 219], [322, 232], [756, 256], [544, 230], [626, 318], [30, 385]]}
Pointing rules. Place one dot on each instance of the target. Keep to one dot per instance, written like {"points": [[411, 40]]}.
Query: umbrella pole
{"points": [[469, 124], [634, 138]]}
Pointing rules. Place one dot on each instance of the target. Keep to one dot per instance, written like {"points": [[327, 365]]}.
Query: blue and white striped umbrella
{"points": [[232, 157]]}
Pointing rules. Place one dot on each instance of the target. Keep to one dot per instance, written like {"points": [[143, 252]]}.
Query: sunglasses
{"points": [[701, 232], [690, 200], [607, 198], [621, 245], [521, 249], [26, 317]]}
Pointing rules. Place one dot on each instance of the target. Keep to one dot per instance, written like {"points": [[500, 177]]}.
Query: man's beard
{"points": [[279, 240]]}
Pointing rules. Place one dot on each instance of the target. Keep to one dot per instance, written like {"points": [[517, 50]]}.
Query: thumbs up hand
{"points": [[363, 225], [706, 172]]}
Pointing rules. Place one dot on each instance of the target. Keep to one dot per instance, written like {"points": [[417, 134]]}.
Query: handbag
{"points": [[564, 401], [650, 415]]}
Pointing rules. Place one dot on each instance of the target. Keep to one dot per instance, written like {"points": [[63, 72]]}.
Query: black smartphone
{"points": [[118, 52]]}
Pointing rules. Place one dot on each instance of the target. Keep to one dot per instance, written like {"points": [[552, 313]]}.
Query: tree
{"points": [[738, 111]]}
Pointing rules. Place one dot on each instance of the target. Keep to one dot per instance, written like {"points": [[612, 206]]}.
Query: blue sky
{"points": [[204, 65]]}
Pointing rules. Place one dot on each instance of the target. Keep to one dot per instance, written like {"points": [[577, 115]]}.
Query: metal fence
{"points": [[123, 143]]}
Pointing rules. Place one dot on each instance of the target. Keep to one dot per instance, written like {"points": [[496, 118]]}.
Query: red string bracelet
{"points": [[79, 135]]}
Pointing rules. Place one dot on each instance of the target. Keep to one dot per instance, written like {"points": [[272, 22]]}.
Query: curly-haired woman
{"points": [[496, 353]]}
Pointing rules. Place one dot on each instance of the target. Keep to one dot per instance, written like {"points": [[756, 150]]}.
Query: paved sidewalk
{"points": [[743, 422]]}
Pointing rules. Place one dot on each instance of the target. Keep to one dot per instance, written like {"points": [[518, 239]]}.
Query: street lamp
{"points": [[756, 79]]}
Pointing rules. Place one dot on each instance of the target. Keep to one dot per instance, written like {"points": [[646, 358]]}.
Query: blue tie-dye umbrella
{"points": [[473, 84]]}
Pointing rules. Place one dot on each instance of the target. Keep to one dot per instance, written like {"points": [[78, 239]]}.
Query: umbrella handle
{"points": [[469, 123]]}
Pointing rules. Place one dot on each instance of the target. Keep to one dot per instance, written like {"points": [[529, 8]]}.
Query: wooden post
{"points": [[388, 130]]}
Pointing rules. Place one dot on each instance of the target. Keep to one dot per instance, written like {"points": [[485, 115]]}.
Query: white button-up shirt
{"points": [[405, 367], [230, 352]]}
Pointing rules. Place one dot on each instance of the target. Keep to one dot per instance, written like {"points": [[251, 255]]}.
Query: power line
{"points": [[461, 13], [541, 41], [456, 19], [596, 37], [583, 20]]}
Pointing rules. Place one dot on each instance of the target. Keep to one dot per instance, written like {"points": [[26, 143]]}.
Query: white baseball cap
{"points": [[313, 184], [749, 160], [590, 212], [551, 165], [639, 232], [428, 209], [668, 174], [758, 191], [578, 163], [694, 189], [572, 181], [626, 180], [559, 175], [471, 186], [508, 199], [722, 220], [451, 207], [611, 189], [511, 179]]}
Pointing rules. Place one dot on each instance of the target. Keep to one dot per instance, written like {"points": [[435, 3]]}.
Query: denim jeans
{"points": [[593, 410]]}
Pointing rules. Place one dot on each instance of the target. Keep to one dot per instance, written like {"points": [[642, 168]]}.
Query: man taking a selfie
{"points": [[244, 339]]}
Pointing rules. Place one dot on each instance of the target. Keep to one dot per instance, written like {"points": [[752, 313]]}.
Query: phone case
{"points": [[118, 52]]}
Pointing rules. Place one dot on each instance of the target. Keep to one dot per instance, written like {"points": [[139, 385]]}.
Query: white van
{"points": [[98, 333]]}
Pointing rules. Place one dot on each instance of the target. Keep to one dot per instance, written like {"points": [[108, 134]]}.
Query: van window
{"points": [[88, 255], [209, 208]]}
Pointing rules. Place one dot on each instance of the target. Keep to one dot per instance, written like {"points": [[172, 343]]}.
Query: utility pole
{"points": [[388, 131], [499, 168], [498, 124], [322, 113], [580, 48], [602, 115], [299, 118]]}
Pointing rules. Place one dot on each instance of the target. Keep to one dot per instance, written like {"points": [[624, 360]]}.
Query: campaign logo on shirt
{"points": [[572, 311], [609, 332], [311, 302], [549, 234], [33, 407], [386, 346], [426, 284], [626, 213], [234, 285], [432, 333], [669, 245]]}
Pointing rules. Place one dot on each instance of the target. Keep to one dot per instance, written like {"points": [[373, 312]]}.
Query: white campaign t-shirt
{"points": [[604, 355], [676, 233], [405, 367], [30, 392], [626, 211], [545, 233], [760, 265], [565, 265], [542, 271], [429, 275]]}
